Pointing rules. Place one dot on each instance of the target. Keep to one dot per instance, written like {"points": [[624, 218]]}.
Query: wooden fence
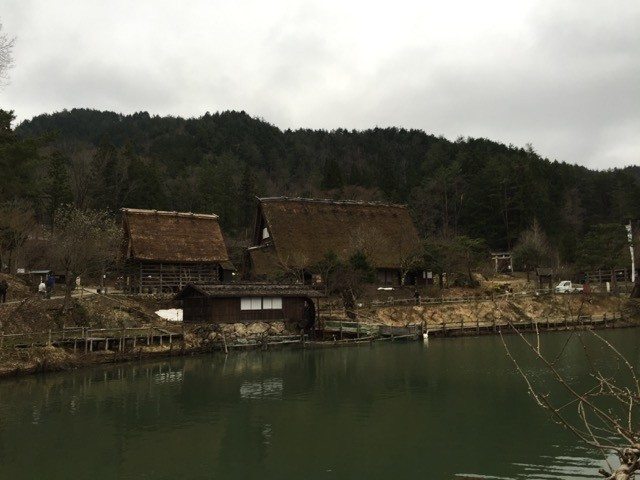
{"points": [[462, 327], [452, 300], [91, 339]]}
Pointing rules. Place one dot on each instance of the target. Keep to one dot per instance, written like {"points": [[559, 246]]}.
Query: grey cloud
{"points": [[564, 76]]}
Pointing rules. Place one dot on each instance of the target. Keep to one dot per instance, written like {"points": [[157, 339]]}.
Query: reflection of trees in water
{"points": [[79, 390], [294, 411]]}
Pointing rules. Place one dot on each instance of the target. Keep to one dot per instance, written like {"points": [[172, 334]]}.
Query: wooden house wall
{"points": [[388, 276], [151, 276], [227, 310]]}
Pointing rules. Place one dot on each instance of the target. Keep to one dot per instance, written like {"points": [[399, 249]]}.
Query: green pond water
{"points": [[446, 408]]}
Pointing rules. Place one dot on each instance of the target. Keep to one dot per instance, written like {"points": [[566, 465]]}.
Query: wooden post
{"points": [[106, 343], [493, 321], [121, 346], [84, 334], [224, 342], [461, 325]]}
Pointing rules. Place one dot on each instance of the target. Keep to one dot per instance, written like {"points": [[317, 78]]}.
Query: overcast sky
{"points": [[563, 75]]}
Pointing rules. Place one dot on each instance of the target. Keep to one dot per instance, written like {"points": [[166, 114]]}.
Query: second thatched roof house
{"points": [[296, 233], [165, 251]]}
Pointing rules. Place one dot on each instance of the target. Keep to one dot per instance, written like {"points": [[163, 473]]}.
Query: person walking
{"points": [[416, 296], [4, 288], [42, 289], [51, 283]]}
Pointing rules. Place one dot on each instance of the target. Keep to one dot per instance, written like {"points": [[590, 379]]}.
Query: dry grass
{"points": [[34, 314], [18, 288], [515, 309]]}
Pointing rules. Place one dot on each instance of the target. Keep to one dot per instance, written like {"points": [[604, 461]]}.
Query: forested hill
{"points": [[219, 162]]}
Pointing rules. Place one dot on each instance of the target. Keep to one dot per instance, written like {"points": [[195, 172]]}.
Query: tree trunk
{"points": [[68, 281], [11, 263], [349, 301], [635, 293]]}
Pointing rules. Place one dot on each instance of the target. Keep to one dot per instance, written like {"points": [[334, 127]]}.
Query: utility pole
{"points": [[633, 260]]}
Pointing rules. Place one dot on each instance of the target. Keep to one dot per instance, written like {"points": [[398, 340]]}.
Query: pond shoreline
{"points": [[47, 359]]}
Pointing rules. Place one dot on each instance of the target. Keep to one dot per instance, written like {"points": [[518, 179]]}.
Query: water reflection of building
{"points": [[262, 389]]}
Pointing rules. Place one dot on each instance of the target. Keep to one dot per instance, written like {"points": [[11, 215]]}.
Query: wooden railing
{"points": [[88, 337], [451, 300], [463, 327]]}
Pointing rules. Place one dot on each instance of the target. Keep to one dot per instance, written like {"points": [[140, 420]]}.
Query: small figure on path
{"points": [[51, 283], [4, 288], [42, 289], [416, 295]]}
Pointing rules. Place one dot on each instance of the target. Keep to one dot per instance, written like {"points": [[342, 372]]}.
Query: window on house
{"points": [[261, 303], [250, 303], [272, 303]]}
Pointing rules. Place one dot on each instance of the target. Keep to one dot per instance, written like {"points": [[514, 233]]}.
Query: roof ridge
{"points": [[330, 201], [142, 211]]}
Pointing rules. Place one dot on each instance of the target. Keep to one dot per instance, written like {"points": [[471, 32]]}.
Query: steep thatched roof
{"points": [[264, 260], [303, 230], [249, 290], [173, 237]]}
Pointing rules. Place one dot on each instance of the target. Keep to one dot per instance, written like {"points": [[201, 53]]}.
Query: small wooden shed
{"points": [[249, 302], [546, 276], [165, 251]]}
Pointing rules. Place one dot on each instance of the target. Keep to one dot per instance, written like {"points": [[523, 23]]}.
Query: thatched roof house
{"points": [[298, 232], [167, 250]]}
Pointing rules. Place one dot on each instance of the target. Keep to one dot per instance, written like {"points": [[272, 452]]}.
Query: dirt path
{"points": [[54, 297]]}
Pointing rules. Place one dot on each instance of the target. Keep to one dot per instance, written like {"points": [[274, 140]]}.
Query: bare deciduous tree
{"points": [[605, 412], [533, 249], [17, 222], [6, 56], [84, 242]]}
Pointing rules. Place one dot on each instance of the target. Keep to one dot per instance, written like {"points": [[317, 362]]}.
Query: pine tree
{"points": [[331, 175], [248, 192], [57, 189]]}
